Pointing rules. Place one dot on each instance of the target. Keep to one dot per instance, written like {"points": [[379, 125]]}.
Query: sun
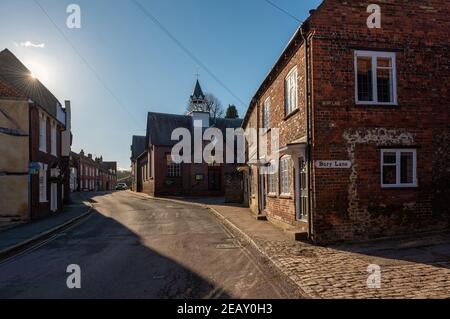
{"points": [[38, 71]]}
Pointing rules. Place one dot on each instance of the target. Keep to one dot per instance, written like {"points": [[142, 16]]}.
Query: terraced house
{"points": [[363, 119], [92, 174], [35, 142]]}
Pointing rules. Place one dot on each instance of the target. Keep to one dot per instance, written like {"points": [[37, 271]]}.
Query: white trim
{"points": [[374, 55], [397, 164], [43, 133], [289, 109], [286, 158], [53, 139], [266, 114]]}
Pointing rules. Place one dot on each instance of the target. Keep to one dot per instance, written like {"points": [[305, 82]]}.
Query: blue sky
{"points": [[238, 41]]}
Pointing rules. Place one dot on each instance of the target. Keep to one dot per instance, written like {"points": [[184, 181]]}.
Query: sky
{"points": [[120, 65]]}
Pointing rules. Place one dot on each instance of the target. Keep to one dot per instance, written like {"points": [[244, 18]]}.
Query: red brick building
{"points": [[363, 118], [48, 133], [158, 175], [90, 174]]}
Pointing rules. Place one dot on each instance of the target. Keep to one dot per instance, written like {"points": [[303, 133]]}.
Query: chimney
{"points": [[90, 156], [68, 115]]}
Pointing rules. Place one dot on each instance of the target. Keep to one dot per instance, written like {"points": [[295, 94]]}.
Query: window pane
{"points": [[365, 79], [406, 168], [390, 158], [384, 82], [389, 175], [384, 62], [284, 176]]}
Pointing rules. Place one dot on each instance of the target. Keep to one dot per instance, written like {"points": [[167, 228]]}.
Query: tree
{"points": [[232, 112], [214, 106]]}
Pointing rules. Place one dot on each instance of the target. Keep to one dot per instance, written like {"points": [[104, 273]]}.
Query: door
{"points": [[263, 199], [214, 179], [302, 190], [54, 197]]}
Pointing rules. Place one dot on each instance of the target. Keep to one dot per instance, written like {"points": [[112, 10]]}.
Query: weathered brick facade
{"points": [[350, 203]]}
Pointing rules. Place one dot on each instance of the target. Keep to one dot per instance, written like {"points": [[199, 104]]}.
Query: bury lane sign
{"points": [[334, 164]]}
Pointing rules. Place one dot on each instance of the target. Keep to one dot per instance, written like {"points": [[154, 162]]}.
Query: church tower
{"points": [[198, 100]]}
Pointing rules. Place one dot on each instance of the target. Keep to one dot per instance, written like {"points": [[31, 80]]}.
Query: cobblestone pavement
{"points": [[417, 267], [408, 270]]}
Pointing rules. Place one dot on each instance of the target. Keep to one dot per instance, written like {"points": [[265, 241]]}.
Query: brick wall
{"points": [[351, 204]]}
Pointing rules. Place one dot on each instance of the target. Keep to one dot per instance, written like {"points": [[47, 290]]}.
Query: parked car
{"points": [[121, 187]]}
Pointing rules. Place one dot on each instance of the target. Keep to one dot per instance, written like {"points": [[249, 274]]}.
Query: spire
{"points": [[198, 99], [198, 92]]}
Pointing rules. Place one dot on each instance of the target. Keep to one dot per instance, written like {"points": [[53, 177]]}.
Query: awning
{"points": [[296, 147]]}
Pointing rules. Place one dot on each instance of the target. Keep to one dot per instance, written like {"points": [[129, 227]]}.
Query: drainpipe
{"points": [[308, 125]]}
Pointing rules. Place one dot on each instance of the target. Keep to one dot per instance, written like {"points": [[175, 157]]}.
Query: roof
{"points": [[16, 74], [137, 146], [8, 91], [198, 92], [160, 126], [292, 46], [109, 165]]}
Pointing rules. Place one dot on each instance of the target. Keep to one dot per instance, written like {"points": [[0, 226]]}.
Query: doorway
{"points": [[54, 197], [214, 179], [301, 190], [263, 198]]}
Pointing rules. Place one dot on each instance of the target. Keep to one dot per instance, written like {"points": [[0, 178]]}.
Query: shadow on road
{"points": [[114, 264]]}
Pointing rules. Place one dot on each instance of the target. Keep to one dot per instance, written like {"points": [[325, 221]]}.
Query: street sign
{"points": [[334, 164]]}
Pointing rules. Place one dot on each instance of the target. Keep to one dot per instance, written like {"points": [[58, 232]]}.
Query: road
{"points": [[133, 247]]}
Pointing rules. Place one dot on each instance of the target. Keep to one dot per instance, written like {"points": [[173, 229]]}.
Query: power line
{"points": [[186, 50], [283, 10], [99, 78]]}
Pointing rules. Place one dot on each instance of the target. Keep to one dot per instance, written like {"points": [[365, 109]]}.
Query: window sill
{"points": [[398, 187], [272, 195], [285, 196], [375, 104], [288, 116]]}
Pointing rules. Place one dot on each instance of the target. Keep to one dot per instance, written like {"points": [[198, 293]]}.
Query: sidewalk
{"points": [[19, 237], [410, 268]]}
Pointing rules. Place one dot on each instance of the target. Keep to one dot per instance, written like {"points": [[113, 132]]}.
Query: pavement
{"points": [[414, 267], [16, 237], [136, 247]]}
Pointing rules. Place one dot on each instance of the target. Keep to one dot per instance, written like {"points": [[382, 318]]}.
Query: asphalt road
{"points": [[132, 247]]}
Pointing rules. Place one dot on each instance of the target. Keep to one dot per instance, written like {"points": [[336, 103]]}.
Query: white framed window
{"points": [[266, 114], [285, 179], [43, 183], [398, 168], [272, 180], [53, 139], [43, 133], [291, 92], [375, 78], [173, 169]]}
